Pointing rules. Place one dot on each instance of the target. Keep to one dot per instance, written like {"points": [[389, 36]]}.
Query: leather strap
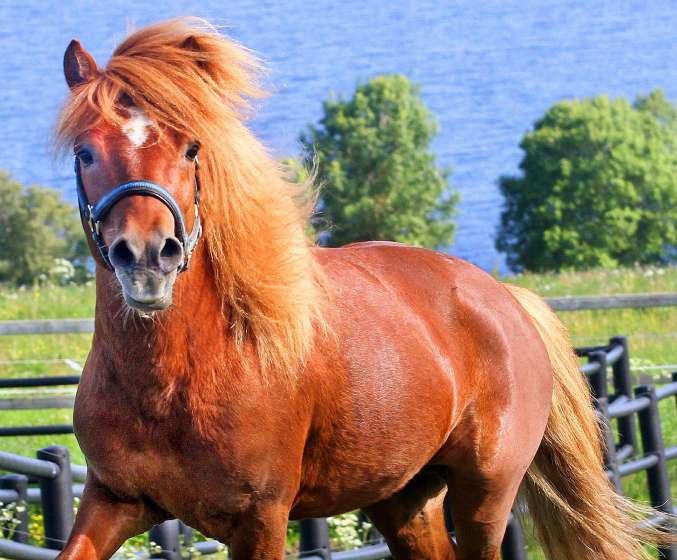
{"points": [[94, 215]]}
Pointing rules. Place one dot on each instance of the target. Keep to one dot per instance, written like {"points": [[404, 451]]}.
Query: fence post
{"points": [[165, 536], [513, 547], [56, 495], [314, 538], [657, 476], [373, 534], [18, 483], [610, 460], [598, 381], [186, 534], [623, 386]]}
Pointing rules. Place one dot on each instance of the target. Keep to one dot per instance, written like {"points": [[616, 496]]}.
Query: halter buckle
{"points": [[93, 225]]}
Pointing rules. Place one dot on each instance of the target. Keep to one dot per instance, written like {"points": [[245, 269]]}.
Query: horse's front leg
{"points": [[103, 523], [261, 533]]}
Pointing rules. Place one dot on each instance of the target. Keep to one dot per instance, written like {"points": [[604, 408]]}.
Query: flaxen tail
{"points": [[576, 512]]}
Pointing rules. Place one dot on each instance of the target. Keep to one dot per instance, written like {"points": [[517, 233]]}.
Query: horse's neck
{"points": [[165, 347]]}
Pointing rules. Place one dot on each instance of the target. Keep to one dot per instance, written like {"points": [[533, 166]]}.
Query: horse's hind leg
{"points": [[480, 511], [412, 520]]}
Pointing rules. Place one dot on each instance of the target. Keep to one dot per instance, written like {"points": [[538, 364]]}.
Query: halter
{"points": [[94, 215]]}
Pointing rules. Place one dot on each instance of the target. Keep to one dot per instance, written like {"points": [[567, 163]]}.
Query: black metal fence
{"points": [[632, 427], [39, 403]]}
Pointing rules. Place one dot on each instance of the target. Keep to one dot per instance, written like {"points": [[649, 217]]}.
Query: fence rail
{"points": [[630, 419], [565, 303], [635, 301], [37, 403], [47, 326]]}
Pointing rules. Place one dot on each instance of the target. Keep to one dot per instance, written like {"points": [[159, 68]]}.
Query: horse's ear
{"points": [[190, 43], [78, 65]]}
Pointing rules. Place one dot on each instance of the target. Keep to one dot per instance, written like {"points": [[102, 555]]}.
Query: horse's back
{"points": [[455, 302]]}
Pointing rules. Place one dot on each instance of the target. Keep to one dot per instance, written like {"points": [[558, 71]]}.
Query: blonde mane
{"points": [[192, 80]]}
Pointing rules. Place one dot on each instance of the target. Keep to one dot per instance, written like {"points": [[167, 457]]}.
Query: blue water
{"points": [[486, 69]]}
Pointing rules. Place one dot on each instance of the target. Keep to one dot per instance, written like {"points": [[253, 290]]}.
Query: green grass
{"points": [[47, 302], [599, 281], [29, 445], [651, 333], [50, 302]]}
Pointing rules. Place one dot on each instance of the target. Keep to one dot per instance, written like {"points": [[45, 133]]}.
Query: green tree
{"points": [[379, 178], [36, 229], [598, 187], [660, 107]]}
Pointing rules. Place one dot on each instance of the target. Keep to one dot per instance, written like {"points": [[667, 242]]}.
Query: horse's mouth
{"points": [[146, 291], [148, 306]]}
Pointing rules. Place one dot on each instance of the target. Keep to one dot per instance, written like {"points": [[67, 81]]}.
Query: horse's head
{"points": [[138, 194], [138, 119]]}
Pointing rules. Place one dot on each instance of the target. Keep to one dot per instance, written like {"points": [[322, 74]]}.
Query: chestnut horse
{"points": [[244, 378]]}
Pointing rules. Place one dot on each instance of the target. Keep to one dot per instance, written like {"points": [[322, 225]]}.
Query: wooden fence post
{"points": [[166, 537], [314, 538], [513, 546], [56, 495], [610, 460], [598, 380], [627, 426], [657, 475]]}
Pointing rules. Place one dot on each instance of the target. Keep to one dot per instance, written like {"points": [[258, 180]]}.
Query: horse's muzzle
{"points": [[146, 270]]}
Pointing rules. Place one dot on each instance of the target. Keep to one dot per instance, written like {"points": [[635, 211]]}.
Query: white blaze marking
{"points": [[136, 127]]}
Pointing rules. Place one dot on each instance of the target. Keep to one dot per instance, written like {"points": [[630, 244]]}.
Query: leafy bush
{"points": [[598, 187], [10, 514], [40, 235], [380, 180]]}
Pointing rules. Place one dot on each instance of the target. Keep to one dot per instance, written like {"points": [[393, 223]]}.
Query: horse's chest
{"points": [[164, 458], [130, 454]]}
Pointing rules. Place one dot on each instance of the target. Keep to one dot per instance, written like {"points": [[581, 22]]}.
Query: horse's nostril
{"points": [[171, 254], [120, 255]]}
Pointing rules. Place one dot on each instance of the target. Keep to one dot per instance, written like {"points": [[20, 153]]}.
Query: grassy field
{"points": [[23, 356], [652, 334]]}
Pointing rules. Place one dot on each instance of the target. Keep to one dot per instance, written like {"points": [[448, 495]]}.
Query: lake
{"points": [[487, 70]]}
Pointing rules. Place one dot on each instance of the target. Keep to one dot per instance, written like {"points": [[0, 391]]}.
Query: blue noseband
{"points": [[94, 215]]}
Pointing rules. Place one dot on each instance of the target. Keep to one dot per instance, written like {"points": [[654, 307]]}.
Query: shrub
{"points": [[38, 230], [379, 177], [598, 187]]}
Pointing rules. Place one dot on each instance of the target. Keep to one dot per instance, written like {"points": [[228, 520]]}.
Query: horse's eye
{"points": [[191, 152], [85, 156]]}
